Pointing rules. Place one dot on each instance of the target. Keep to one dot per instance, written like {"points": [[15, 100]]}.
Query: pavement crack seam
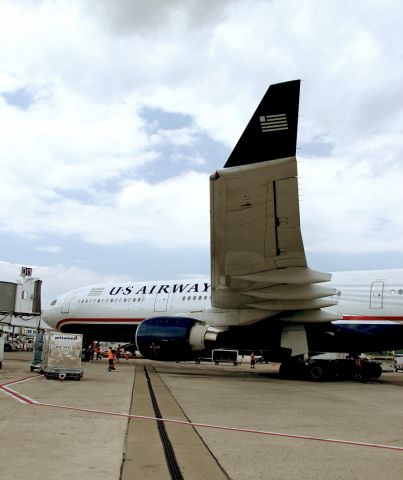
{"points": [[169, 452], [194, 429]]}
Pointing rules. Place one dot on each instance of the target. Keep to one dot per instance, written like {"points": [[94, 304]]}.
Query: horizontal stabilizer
{"points": [[294, 304], [292, 275], [291, 292]]}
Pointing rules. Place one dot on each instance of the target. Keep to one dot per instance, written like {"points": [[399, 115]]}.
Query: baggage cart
{"points": [[226, 356]]}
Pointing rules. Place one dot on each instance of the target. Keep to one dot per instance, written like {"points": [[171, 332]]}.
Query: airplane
{"points": [[261, 296]]}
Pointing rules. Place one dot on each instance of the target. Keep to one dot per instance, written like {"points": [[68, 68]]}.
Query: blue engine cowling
{"points": [[171, 338]]}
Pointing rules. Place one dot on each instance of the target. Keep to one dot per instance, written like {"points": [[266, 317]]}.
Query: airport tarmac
{"points": [[104, 426]]}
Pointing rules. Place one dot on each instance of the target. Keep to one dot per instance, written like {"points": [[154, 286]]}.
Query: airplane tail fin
{"points": [[272, 131]]}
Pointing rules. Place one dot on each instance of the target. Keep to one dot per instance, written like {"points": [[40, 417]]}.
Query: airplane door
{"points": [[161, 302], [66, 304], [376, 295]]}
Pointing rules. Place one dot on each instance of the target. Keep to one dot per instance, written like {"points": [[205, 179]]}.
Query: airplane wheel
{"points": [[371, 371], [317, 372]]}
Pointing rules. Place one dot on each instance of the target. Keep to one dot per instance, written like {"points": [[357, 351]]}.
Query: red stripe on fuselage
{"points": [[372, 317], [98, 320]]}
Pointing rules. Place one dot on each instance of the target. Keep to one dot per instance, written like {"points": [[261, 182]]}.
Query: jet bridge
{"points": [[22, 297]]}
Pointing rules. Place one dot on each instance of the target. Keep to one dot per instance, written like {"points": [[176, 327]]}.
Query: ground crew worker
{"points": [[98, 352], [111, 358], [118, 353], [252, 360]]}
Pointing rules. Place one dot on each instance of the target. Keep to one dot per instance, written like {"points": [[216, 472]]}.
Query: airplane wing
{"points": [[257, 254]]}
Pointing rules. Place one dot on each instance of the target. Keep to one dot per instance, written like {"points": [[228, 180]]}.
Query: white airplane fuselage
{"points": [[365, 300]]}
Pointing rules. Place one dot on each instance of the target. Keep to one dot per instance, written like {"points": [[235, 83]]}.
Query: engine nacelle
{"points": [[171, 338]]}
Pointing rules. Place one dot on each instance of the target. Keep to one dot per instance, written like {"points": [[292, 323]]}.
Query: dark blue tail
{"points": [[272, 131]]}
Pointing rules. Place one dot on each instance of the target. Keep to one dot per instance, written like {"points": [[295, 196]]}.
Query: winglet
{"points": [[272, 131]]}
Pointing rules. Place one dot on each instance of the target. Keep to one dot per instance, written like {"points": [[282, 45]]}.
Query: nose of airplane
{"points": [[51, 313]]}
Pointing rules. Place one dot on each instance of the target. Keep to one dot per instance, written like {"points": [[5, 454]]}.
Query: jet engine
{"points": [[173, 338]]}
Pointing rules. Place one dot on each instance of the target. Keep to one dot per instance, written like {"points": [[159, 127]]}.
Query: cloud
{"points": [[49, 249], [115, 89]]}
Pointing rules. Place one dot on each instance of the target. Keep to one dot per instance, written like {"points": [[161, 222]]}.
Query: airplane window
{"points": [[200, 297], [143, 299], [86, 301], [125, 300], [183, 298], [400, 292], [338, 293], [392, 292], [103, 300], [189, 298], [120, 299], [99, 300], [194, 298], [205, 297], [54, 302]]}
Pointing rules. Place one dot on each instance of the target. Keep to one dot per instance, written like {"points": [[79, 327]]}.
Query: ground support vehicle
{"points": [[10, 346], [330, 366], [61, 355], [387, 363], [220, 355], [398, 365], [37, 353]]}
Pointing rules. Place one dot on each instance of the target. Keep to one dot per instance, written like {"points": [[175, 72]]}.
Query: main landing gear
{"points": [[323, 370]]}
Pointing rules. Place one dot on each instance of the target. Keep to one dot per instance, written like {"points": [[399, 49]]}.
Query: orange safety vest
{"points": [[110, 355]]}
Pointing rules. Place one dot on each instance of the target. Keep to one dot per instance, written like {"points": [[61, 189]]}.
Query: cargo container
{"points": [[61, 355]]}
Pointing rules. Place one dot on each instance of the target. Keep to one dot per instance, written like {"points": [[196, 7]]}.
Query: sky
{"points": [[114, 114]]}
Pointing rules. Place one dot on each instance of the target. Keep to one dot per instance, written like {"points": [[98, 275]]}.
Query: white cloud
{"points": [[49, 249], [71, 162]]}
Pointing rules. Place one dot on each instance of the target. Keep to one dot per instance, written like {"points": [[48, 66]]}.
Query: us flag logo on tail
{"points": [[273, 123]]}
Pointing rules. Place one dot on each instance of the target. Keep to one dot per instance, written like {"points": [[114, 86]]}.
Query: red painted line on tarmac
{"points": [[222, 427], [24, 379], [18, 396]]}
